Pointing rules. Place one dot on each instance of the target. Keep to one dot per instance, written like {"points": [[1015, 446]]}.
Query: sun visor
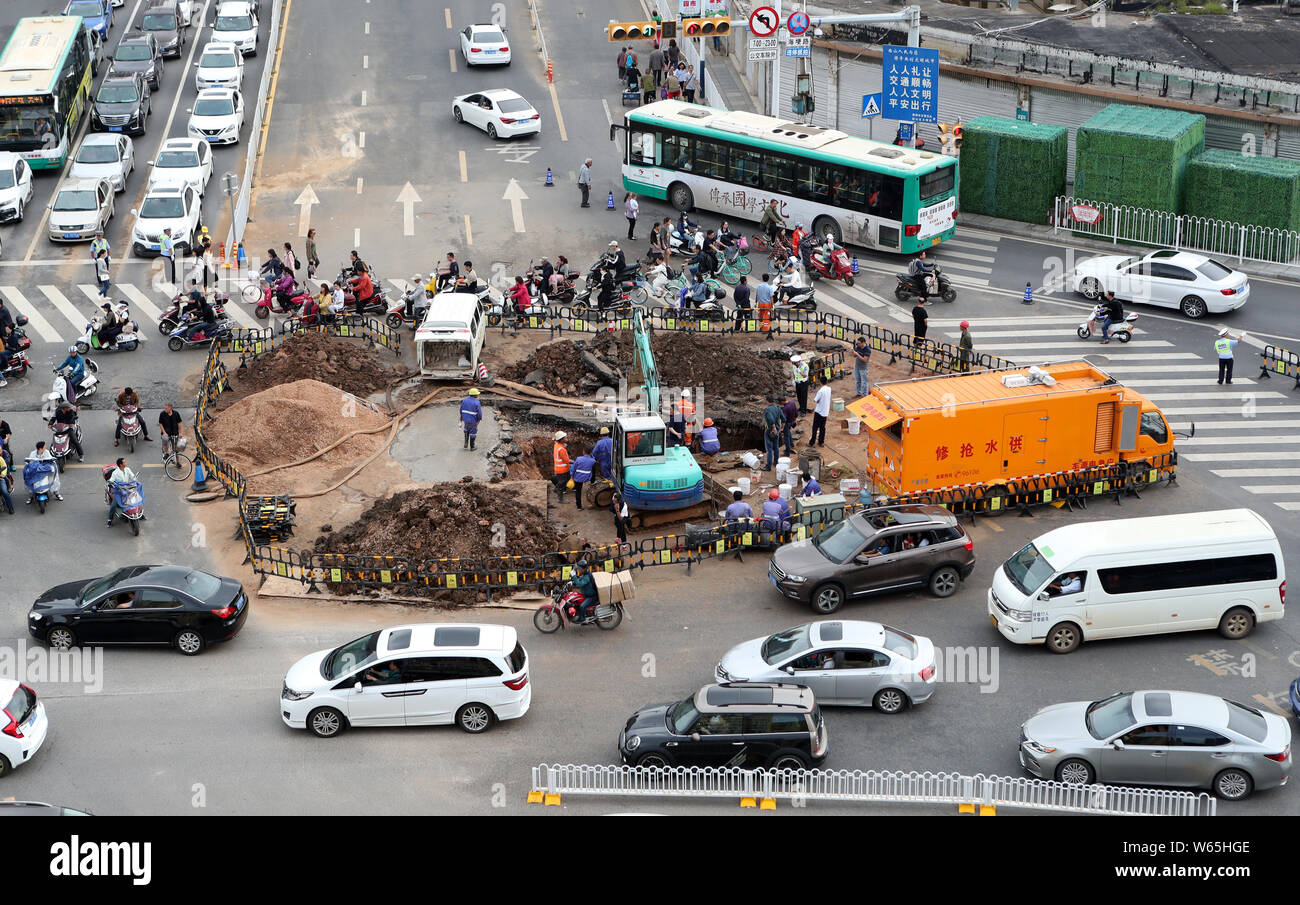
{"points": [[874, 412]]}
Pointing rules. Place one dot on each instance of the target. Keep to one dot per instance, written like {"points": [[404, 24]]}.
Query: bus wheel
{"points": [[680, 197], [824, 225]]}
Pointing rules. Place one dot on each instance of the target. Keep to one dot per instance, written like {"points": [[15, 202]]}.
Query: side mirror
{"points": [[695, 736], [1044, 596], [134, 212], [789, 670], [1118, 744], [357, 688]]}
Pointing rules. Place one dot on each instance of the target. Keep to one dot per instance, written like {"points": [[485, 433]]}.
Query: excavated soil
{"points": [[338, 361], [290, 422]]}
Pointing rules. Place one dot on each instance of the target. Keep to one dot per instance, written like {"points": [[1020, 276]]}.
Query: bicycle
{"points": [[176, 465]]}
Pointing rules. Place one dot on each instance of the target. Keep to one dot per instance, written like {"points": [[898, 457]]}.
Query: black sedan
{"points": [[173, 605]]}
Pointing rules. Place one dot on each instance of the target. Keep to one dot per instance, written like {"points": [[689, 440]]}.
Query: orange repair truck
{"points": [[992, 427]]}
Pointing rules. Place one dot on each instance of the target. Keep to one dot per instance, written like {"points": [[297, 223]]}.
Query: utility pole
{"points": [[776, 66]]}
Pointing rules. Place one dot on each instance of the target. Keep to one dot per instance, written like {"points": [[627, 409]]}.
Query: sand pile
{"points": [[341, 362]]}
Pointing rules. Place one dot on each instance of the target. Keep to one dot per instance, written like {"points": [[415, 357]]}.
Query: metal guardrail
{"points": [[764, 787], [1142, 226], [1280, 361]]}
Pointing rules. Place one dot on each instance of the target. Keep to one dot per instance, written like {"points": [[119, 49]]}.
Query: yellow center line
{"points": [[559, 117], [469, 235], [1257, 649], [447, 12], [451, 55], [270, 103], [1201, 661], [464, 169], [1270, 705]]}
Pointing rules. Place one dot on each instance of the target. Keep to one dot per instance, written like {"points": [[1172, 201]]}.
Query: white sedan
{"points": [[500, 113], [182, 161], [104, 156], [217, 116], [174, 207], [81, 209], [23, 725], [1193, 283], [483, 45]]}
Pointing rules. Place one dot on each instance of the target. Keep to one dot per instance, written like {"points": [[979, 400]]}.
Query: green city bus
{"points": [[45, 80], [866, 193]]}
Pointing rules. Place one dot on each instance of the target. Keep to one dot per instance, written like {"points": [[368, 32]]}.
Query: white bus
{"points": [[45, 75], [866, 193]]}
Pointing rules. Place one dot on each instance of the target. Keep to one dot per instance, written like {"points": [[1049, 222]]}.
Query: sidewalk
{"points": [[726, 86]]}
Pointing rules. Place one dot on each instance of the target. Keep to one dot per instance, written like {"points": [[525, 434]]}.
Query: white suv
{"points": [[175, 206], [236, 23], [221, 65], [471, 675]]}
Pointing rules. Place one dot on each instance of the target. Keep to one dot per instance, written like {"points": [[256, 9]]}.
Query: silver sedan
{"points": [[862, 664], [1159, 738]]}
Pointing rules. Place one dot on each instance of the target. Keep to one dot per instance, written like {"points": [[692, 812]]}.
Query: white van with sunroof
{"points": [[1144, 576]]}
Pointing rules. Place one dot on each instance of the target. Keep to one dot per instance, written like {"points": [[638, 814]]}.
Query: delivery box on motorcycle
{"points": [[614, 587]]}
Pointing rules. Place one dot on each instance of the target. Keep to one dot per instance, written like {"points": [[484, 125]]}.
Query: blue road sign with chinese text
{"points": [[910, 83]]}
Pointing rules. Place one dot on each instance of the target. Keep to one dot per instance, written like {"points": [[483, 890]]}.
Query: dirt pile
{"points": [[341, 362], [290, 422], [449, 520]]}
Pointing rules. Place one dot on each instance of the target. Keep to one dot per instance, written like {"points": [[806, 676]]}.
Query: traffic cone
{"points": [[609, 204], [200, 477], [1029, 295], [550, 180]]}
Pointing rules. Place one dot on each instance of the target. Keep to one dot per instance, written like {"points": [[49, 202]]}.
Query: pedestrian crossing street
{"points": [[58, 315]]}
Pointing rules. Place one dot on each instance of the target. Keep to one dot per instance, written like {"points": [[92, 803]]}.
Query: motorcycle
{"points": [[700, 304], [936, 283], [61, 442], [62, 390], [802, 299], [179, 340], [1123, 331], [39, 476], [562, 612], [171, 318], [17, 367], [839, 267], [20, 335], [130, 416], [272, 302], [126, 341], [375, 303], [129, 497], [416, 300]]}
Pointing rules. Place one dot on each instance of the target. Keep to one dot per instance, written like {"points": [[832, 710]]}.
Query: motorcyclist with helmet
{"points": [[78, 366], [584, 584], [200, 309], [917, 271], [67, 414]]}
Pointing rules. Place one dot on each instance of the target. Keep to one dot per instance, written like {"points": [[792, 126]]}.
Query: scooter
{"points": [[20, 335], [375, 303], [170, 318], [839, 267], [62, 390], [1123, 331], [414, 300], [129, 497], [802, 299], [17, 367], [273, 303], [39, 476], [130, 416], [61, 441], [562, 612], [179, 340], [936, 283], [126, 341], [700, 304]]}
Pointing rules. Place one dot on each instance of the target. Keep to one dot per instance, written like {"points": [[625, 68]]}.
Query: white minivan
{"points": [[449, 341], [1143, 576], [472, 675]]}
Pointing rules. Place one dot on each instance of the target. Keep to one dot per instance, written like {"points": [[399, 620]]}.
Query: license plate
{"points": [[32, 721], [935, 241], [155, 247], [71, 236], [489, 51], [210, 137], [115, 128], [772, 578]]}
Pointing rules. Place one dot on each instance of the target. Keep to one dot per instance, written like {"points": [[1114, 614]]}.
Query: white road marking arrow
{"points": [[408, 199], [515, 194], [304, 202]]}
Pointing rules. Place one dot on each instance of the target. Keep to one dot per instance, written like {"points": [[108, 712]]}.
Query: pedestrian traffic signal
{"points": [[668, 29], [632, 31], [698, 28]]}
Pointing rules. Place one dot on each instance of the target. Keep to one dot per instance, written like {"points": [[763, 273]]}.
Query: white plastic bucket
{"points": [[786, 491], [742, 485], [855, 426], [750, 460]]}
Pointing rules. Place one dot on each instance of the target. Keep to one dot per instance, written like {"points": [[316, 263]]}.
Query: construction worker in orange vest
{"points": [[560, 459], [688, 413]]}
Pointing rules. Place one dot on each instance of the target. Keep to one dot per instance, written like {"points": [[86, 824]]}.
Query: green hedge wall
{"points": [[1136, 155], [1227, 185], [1012, 169]]}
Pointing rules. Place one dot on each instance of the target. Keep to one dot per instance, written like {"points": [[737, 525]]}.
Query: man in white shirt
{"points": [[821, 412], [119, 475], [337, 301]]}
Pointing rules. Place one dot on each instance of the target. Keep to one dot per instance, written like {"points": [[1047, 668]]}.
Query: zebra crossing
{"points": [[1240, 429], [967, 258], [57, 319]]}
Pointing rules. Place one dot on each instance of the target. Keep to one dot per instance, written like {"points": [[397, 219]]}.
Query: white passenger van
{"points": [[1141, 576], [449, 340]]}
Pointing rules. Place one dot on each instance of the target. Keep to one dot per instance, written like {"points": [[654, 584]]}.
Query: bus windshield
{"points": [[32, 124]]}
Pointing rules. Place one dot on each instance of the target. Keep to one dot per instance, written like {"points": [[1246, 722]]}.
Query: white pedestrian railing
{"points": [[552, 781], [1122, 223]]}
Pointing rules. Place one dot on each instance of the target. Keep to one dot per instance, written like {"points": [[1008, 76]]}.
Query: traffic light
{"points": [[668, 29], [632, 31], [699, 28]]}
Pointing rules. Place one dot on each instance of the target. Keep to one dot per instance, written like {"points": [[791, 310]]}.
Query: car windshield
{"points": [[682, 716], [342, 660], [789, 643], [1214, 270], [75, 200], [162, 208], [97, 586], [900, 643], [1028, 569], [514, 105], [202, 585], [131, 53], [118, 94], [840, 541], [220, 60], [1111, 716], [489, 36], [159, 22], [6, 179], [178, 159], [90, 9], [233, 23], [214, 106]]}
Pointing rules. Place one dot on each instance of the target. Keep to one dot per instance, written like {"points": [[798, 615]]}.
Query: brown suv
{"points": [[883, 549]]}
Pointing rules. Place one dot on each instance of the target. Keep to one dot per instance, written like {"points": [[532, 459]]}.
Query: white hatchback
{"points": [[472, 675], [1191, 282], [482, 45], [500, 112], [182, 161], [221, 65], [217, 116], [23, 725], [236, 23], [104, 156]]}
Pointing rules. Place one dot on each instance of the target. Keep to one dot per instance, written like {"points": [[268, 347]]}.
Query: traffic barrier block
{"points": [[767, 804], [535, 796], [552, 798], [748, 803]]}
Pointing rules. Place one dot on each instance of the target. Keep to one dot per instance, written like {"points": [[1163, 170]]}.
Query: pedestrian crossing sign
{"points": [[870, 105]]}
